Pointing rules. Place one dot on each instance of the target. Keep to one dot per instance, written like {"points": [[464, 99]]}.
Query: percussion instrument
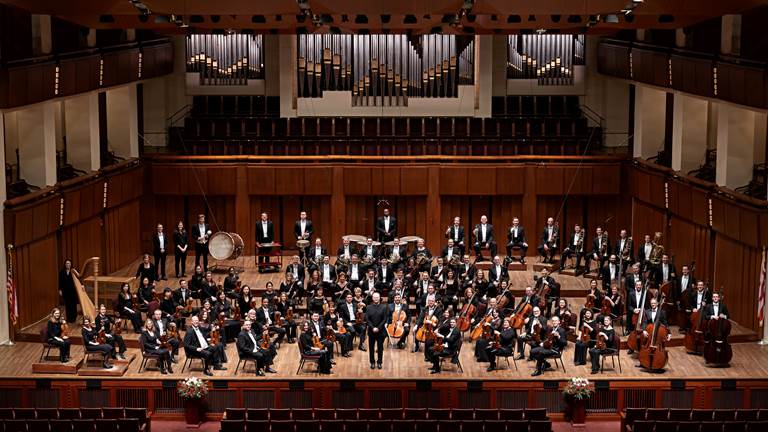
{"points": [[408, 239], [355, 238], [224, 245], [302, 244], [364, 243]]}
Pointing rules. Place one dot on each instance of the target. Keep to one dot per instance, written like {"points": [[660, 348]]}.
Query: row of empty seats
{"points": [[73, 413], [273, 414], [79, 425], [535, 105], [235, 105], [683, 414], [386, 426], [370, 127], [387, 147], [692, 426]]}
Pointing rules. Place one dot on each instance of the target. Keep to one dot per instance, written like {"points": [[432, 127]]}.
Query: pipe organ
{"points": [[384, 70], [230, 59], [549, 59]]}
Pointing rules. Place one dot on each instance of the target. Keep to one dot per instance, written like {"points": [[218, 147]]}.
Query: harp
{"points": [[86, 305]]}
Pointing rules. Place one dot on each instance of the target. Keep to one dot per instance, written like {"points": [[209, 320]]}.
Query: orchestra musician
{"points": [[201, 233], [395, 308], [504, 347], [209, 288], [684, 284], [567, 317], [484, 238], [332, 319], [615, 302], [327, 273], [180, 250], [182, 297], [160, 251], [296, 269], [644, 251], [265, 234], [54, 335], [449, 291], [318, 329], [466, 272], [324, 363], [397, 289], [246, 300], [455, 233], [422, 256], [67, 290], [269, 291], [270, 351], [316, 255], [248, 347], [532, 324], [587, 337], [318, 303], [601, 248], [516, 238], [386, 227], [146, 294], [480, 284], [635, 304], [385, 273], [649, 317], [451, 254], [437, 273], [344, 255], [376, 320], [197, 344], [292, 288], [146, 270], [283, 304], [610, 273], [396, 254], [576, 247], [265, 316], [160, 326], [196, 282], [222, 307], [420, 288], [152, 345], [369, 253], [355, 271], [125, 307], [496, 274], [231, 283], [104, 322], [665, 272], [541, 353], [596, 295], [716, 309], [623, 249], [341, 288], [442, 325], [450, 347], [609, 334], [549, 241], [168, 304], [303, 230], [633, 276], [348, 311], [490, 328], [370, 285], [698, 298], [554, 288]]}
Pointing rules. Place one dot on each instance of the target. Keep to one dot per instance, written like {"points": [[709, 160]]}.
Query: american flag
{"points": [[761, 290], [10, 286]]}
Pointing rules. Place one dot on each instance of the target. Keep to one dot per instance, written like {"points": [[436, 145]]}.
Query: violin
{"points": [[64, 329], [543, 292], [316, 342], [236, 312], [463, 322], [359, 317], [330, 335], [215, 336], [550, 340], [102, 337], [117, 328], [717, 350], [438, 346], [586, 333], [265, 339], [602, 342], [607, 307], [590, 301], [164, 342], [340, 327], [396, 328], [172, 331], [653, 356], [496, 341]]}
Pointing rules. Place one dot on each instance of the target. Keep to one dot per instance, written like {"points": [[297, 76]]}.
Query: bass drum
{"points": [[224, 245]]}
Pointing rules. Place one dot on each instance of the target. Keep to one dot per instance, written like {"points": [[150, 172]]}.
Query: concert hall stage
{"points": [[405, 379]]}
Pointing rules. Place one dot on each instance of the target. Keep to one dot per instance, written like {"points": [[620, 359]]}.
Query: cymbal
{"points": [[410, 239], [365, 242], [355, 238], [389, 243]]}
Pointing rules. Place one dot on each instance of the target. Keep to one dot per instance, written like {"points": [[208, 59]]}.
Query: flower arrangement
{"points": [[192, 388], [578, 388]]}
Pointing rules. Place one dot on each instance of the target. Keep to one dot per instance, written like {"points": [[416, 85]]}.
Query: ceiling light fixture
{"points": [[141, 7]]}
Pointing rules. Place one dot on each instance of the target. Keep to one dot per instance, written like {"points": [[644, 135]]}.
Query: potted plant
{"points": [[193, 391], [576, 393]]}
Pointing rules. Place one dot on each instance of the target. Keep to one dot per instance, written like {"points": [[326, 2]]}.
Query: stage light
{"points": [[141, 7]]}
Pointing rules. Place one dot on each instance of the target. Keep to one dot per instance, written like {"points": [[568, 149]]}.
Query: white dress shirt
{"points": [[200, 337], [161, 237]]}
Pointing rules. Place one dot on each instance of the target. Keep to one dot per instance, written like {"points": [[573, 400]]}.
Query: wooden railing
{"points": [[29, 81], [731, 79]]}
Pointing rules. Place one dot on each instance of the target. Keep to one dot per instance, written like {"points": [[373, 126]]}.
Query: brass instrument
{"points": [[657, 250], [552, 241], [604, 243], [455, 260], [580, 241], [395, 257], [448, 231], [367, 260], [627, 250], [422, 259], [317, 260], [342, 261]]}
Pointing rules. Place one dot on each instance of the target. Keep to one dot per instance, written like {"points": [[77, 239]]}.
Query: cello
{"points": [[694, 338], [427, 329], [635, 339], [717, 350], [477, 332], [396, 328], [653, 356], [463, 322], [521, 313]]}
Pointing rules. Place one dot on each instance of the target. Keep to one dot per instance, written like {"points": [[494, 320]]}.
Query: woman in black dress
{"points": [[55, 335], [481, 354], [505, 346], [331, 319], [341, 287], [181, 242], [586, 340], [146, 294], [609, 334], [67, 290], [283, 304], [90, 336], [146, 270], [152, 345], [450, 290], [318, 303], [125, 308], [308, 348], [314, 284], [196, 282], [231, 327], [246, 301], [111, 331], [293, 288]]}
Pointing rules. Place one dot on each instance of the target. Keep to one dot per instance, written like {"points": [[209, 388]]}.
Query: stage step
{"points": [[119, 367], [53, 366], [537, 267]]}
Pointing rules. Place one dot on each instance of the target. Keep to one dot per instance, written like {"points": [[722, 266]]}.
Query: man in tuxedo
{"points": [[319, 329], [549, 241], [376, 321], [369, 249], [265, 234], [484, 238], [651, 314], [297, 268], [348, 312], [201, 233], [644, 251], [182, 296], [575, 247], [466, 272], [633, 276], [438, 273], [356, 273], [455, 232], [397, 306], [422, 250], [610, 273], [716, 309], [698, 298], [160, 250], [386, 227], [684, 284], [370, 285], [303, 229], [344, 255], [497, 273], [624, 243], [384, 274], [665, 272], [554, 289], [431, 309], [316, 254], [635, 303], [161, 327], [540, 354], [449, 349], [451, 252], [516, 238], [396, 254], [248, 347], [265, 316], [601, 249], [196, 345]]}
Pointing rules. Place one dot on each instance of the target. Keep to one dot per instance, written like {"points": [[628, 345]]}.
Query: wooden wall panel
{"points": [[318, 210], [167, 210], [549, 180], [36, 270], [689, 242], [263, 203], [261, 180], [317, 181], [646, 220], [219, 211], [505, 208], [737, 271], [414, 181], [357, 181], [360, 215], [453, 180], [688, 203], [33, 222], [604, 212], [83, 203], [122, 236], [481, 181], [289, 182], [386, 180], [606, 180], [510, 181], [126, 186], [411, 213], [452, 206], [81, 241]]}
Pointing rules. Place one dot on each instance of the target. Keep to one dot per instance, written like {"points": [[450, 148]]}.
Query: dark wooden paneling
{"points": [[741, 84], [414, 181], [261, 180], [357, 181], [650, 67], [360, 215], [30, 84], [83, 203], [81, 241], [549, 181], [737, 270], [505, 208], [36, 273], [648, 187], [606, 180], [510, 181], [688, 203], [645, 220], [317, 181], [613, 60], [120, 67], [688, 242], [453, 181], [78, 75], [693, 75], [33, 222], [156, 60], [481, 181], [122, 235], [125, 187]]}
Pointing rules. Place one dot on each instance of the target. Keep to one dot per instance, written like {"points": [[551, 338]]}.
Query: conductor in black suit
{"points": [[483, 233], [376, 320], [265, 233], [303, 230], [160, 245], [386, 227], [201, 232]]}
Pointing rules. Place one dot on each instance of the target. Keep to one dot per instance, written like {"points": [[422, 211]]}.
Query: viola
{"points": [[359, 317], [64, 329], [118, 326], [590, 301], [236, 313], [330, 335], [289, 315], [215, 336], [173, 332], [653, 355], [438, 346], [316, 342], [717, 350], [340, 327], [102, 337], [607, 306], [602, 342], [550, 340]]}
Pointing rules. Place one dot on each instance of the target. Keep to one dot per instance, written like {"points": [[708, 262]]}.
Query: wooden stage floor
{"points": [[750, 361]]}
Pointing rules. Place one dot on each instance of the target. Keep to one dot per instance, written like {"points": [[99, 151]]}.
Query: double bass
{"points": [[463, 322], [635, 339], [717, 350], [396, 328], [694, 338], [653, 355]]}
